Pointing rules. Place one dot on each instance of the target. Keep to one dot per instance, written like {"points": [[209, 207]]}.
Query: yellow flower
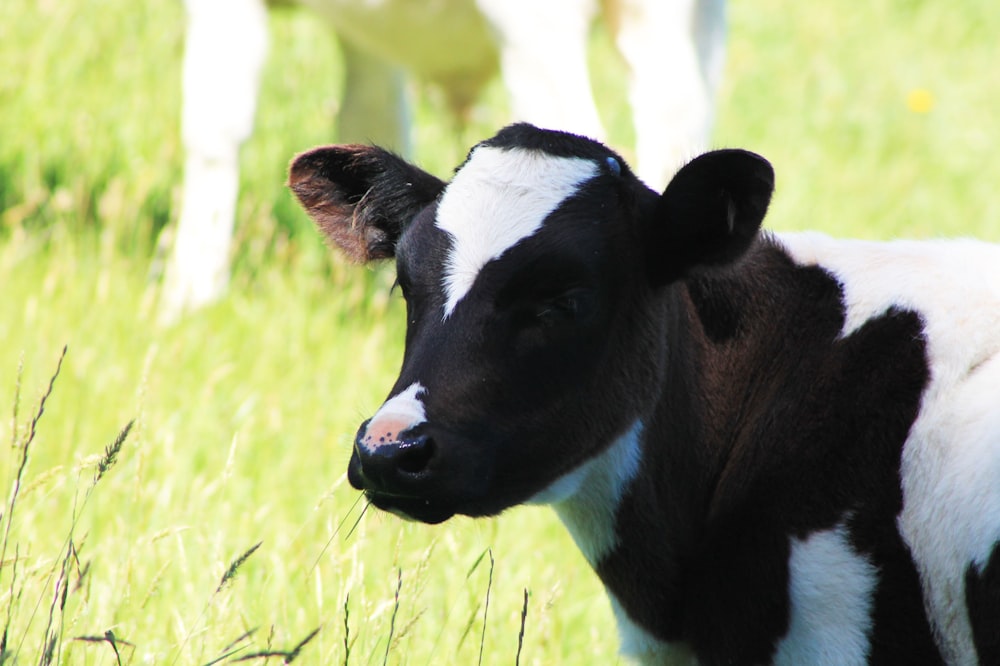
{"points": [[920, 100]]}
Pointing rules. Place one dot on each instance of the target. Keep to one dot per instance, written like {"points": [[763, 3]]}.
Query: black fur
{"points": [[982, 596]]}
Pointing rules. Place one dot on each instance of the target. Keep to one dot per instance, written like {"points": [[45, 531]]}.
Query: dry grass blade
{"points": [[486, 607], [246, 635], [288, 656], [17, 402], [109, 638], [364, 510], [45, 397], [222, 657], [234, 647], [340, 525], [298, 648], [520, 634], [49, 653], [235, 566], [347, 630], [475, 565], [10, 606], [392, 620], [58, 604]]}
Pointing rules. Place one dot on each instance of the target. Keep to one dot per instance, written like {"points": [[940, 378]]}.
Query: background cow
{"points": [[771, 449], [673, 50]]}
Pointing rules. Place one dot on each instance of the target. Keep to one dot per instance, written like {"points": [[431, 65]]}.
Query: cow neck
{"points": [[660, 515], [686, 447]]}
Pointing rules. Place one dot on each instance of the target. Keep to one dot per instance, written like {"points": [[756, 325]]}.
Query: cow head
{"points": [[533, 284]]}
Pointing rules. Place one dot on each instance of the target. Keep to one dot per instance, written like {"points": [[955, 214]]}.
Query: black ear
{"points": [[361, 197], [710, 213]]}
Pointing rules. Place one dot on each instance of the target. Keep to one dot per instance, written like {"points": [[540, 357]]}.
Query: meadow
{"points": [[221, 525]]}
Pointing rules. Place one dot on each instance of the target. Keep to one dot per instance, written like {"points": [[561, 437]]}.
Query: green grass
{"points": [[245, 411]]}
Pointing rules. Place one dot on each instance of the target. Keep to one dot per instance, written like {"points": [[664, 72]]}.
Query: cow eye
{"points": [[557, 310], [554, 309]]}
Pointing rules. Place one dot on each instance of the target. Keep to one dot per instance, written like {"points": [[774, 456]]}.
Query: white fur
{"points": [[831, 591], [586, 499], [951, 460], [398, 414], [496, 200], [673, 49]]}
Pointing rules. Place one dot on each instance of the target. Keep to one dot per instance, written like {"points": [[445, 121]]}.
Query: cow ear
{"points": [[710, 213], [361, 197]]}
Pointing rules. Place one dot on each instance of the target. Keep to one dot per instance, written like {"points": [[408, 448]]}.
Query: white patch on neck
{"points": [[498, 198], [587, 498], [398, 414], [831, 588]]}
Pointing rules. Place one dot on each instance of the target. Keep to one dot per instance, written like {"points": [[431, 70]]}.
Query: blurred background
{"points": [[881, 120]]}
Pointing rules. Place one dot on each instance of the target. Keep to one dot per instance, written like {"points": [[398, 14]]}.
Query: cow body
{"points": [[673, 51], [771, 449]]}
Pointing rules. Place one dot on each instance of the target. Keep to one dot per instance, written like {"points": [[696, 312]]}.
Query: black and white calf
{"points": [[771, 448]]}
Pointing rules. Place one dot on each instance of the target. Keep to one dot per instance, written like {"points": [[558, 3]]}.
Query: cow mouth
{"points": [[410, 508], [407, 506]]}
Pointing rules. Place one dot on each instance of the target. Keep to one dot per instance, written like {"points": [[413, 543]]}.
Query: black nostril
{"points": [[414, 454], [392, 466]]}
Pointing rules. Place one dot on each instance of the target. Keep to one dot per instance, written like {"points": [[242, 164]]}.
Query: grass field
{"points": [[881, 120]]}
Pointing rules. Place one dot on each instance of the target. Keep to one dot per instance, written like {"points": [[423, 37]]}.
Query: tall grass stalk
{"points": [[25, 447], [68, 552], [62, 568]]}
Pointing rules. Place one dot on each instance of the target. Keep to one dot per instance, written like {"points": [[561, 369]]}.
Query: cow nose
{"points": [[392, 464]]}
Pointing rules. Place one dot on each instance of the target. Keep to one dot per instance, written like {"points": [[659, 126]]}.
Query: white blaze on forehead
{"points": [[498, 198], [399, 413]]}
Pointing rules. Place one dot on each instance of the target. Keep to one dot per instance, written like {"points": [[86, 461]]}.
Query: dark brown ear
{"points": [[710, 213], [361, 197]]}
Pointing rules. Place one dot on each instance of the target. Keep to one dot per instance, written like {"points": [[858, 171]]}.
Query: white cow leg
{"points": [[674, 50], [224, 52], [543, 61], [375, 107]]}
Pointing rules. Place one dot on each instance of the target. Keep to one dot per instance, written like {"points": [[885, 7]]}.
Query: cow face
{"points": [[535, 319]]}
